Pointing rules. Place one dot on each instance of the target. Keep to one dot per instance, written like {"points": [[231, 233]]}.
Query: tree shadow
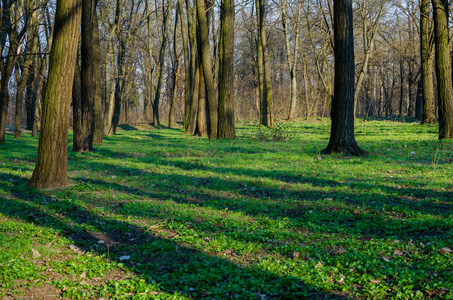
{"points": [[177, 268], [368, 214]]}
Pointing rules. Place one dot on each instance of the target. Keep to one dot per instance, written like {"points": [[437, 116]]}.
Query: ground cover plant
{"points": [[157, 214]]}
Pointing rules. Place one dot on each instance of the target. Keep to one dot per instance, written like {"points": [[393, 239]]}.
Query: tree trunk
{"points": [[98, 131], [426, 45], [202, 122], [291, 57], [260, 68], [51, 165], [226, 71], [206, 64], [419, 101], [84, 142], [174, 97], [401, 87], [193, 62], [266, 66], [443, 69], [77, 108], [194, 102], [342, 139], [21, 82], [156, 102], [187, 71], [6, 64], [119, 80]]}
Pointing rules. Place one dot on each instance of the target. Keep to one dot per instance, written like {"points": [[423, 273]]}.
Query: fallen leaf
{"points": [[329, 280], [76, 249], [124, 257], [444, 250], [375, 281], [319, 265], [341, 281], [296, 254], [340, 251], [387, 258], [35, 253], [398, 252], [227, 252]]}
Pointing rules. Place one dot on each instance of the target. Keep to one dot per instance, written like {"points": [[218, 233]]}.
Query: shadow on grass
{"points": [[174, 266]]}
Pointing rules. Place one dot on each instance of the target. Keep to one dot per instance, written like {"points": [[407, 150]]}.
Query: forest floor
{"points": [[156, 214]]}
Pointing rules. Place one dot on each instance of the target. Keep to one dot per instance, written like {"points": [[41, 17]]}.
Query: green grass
{"points": [[234, 219]]}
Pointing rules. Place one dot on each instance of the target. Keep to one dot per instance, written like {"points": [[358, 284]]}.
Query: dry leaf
{"points": [[35, 253], [329, 280], [387, 258], [375, 281], [398, 252], [319, 265], [341, 251], [76, 249], [356, 212], [341, 281], [444, 250], [296, 254]]}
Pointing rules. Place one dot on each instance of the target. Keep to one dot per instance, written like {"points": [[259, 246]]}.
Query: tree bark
{"points": [[51, 165], [84, 142], [163, 46], [443, 68], [187, 69], [98, 131], [203, 117], [342, 139], [174, 97], [426, 45], [226, 73], [266, 66], [206, 64], [292, 57], [260, 68], [119, 79], [194, 102]]}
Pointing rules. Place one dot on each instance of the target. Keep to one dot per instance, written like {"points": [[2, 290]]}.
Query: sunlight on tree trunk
{"points": [[51, 165]]}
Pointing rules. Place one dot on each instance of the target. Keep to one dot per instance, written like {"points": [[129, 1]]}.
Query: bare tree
{"points": [[342, 138]]}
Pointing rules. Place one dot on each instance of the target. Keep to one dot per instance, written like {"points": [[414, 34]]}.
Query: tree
{"points": [[98, 130], [163, 46], [263, 61], [443, 68], [426, 47], [205, 51], [51, 165], [83, 136], [9, 31], [226, 75], [342, 139], [176, 64]]}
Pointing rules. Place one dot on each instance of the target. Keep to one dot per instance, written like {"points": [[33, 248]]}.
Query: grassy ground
{"points": [[157, 214]]}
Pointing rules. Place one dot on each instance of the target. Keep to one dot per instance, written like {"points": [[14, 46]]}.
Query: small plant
{"points": [[279, 133]]}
